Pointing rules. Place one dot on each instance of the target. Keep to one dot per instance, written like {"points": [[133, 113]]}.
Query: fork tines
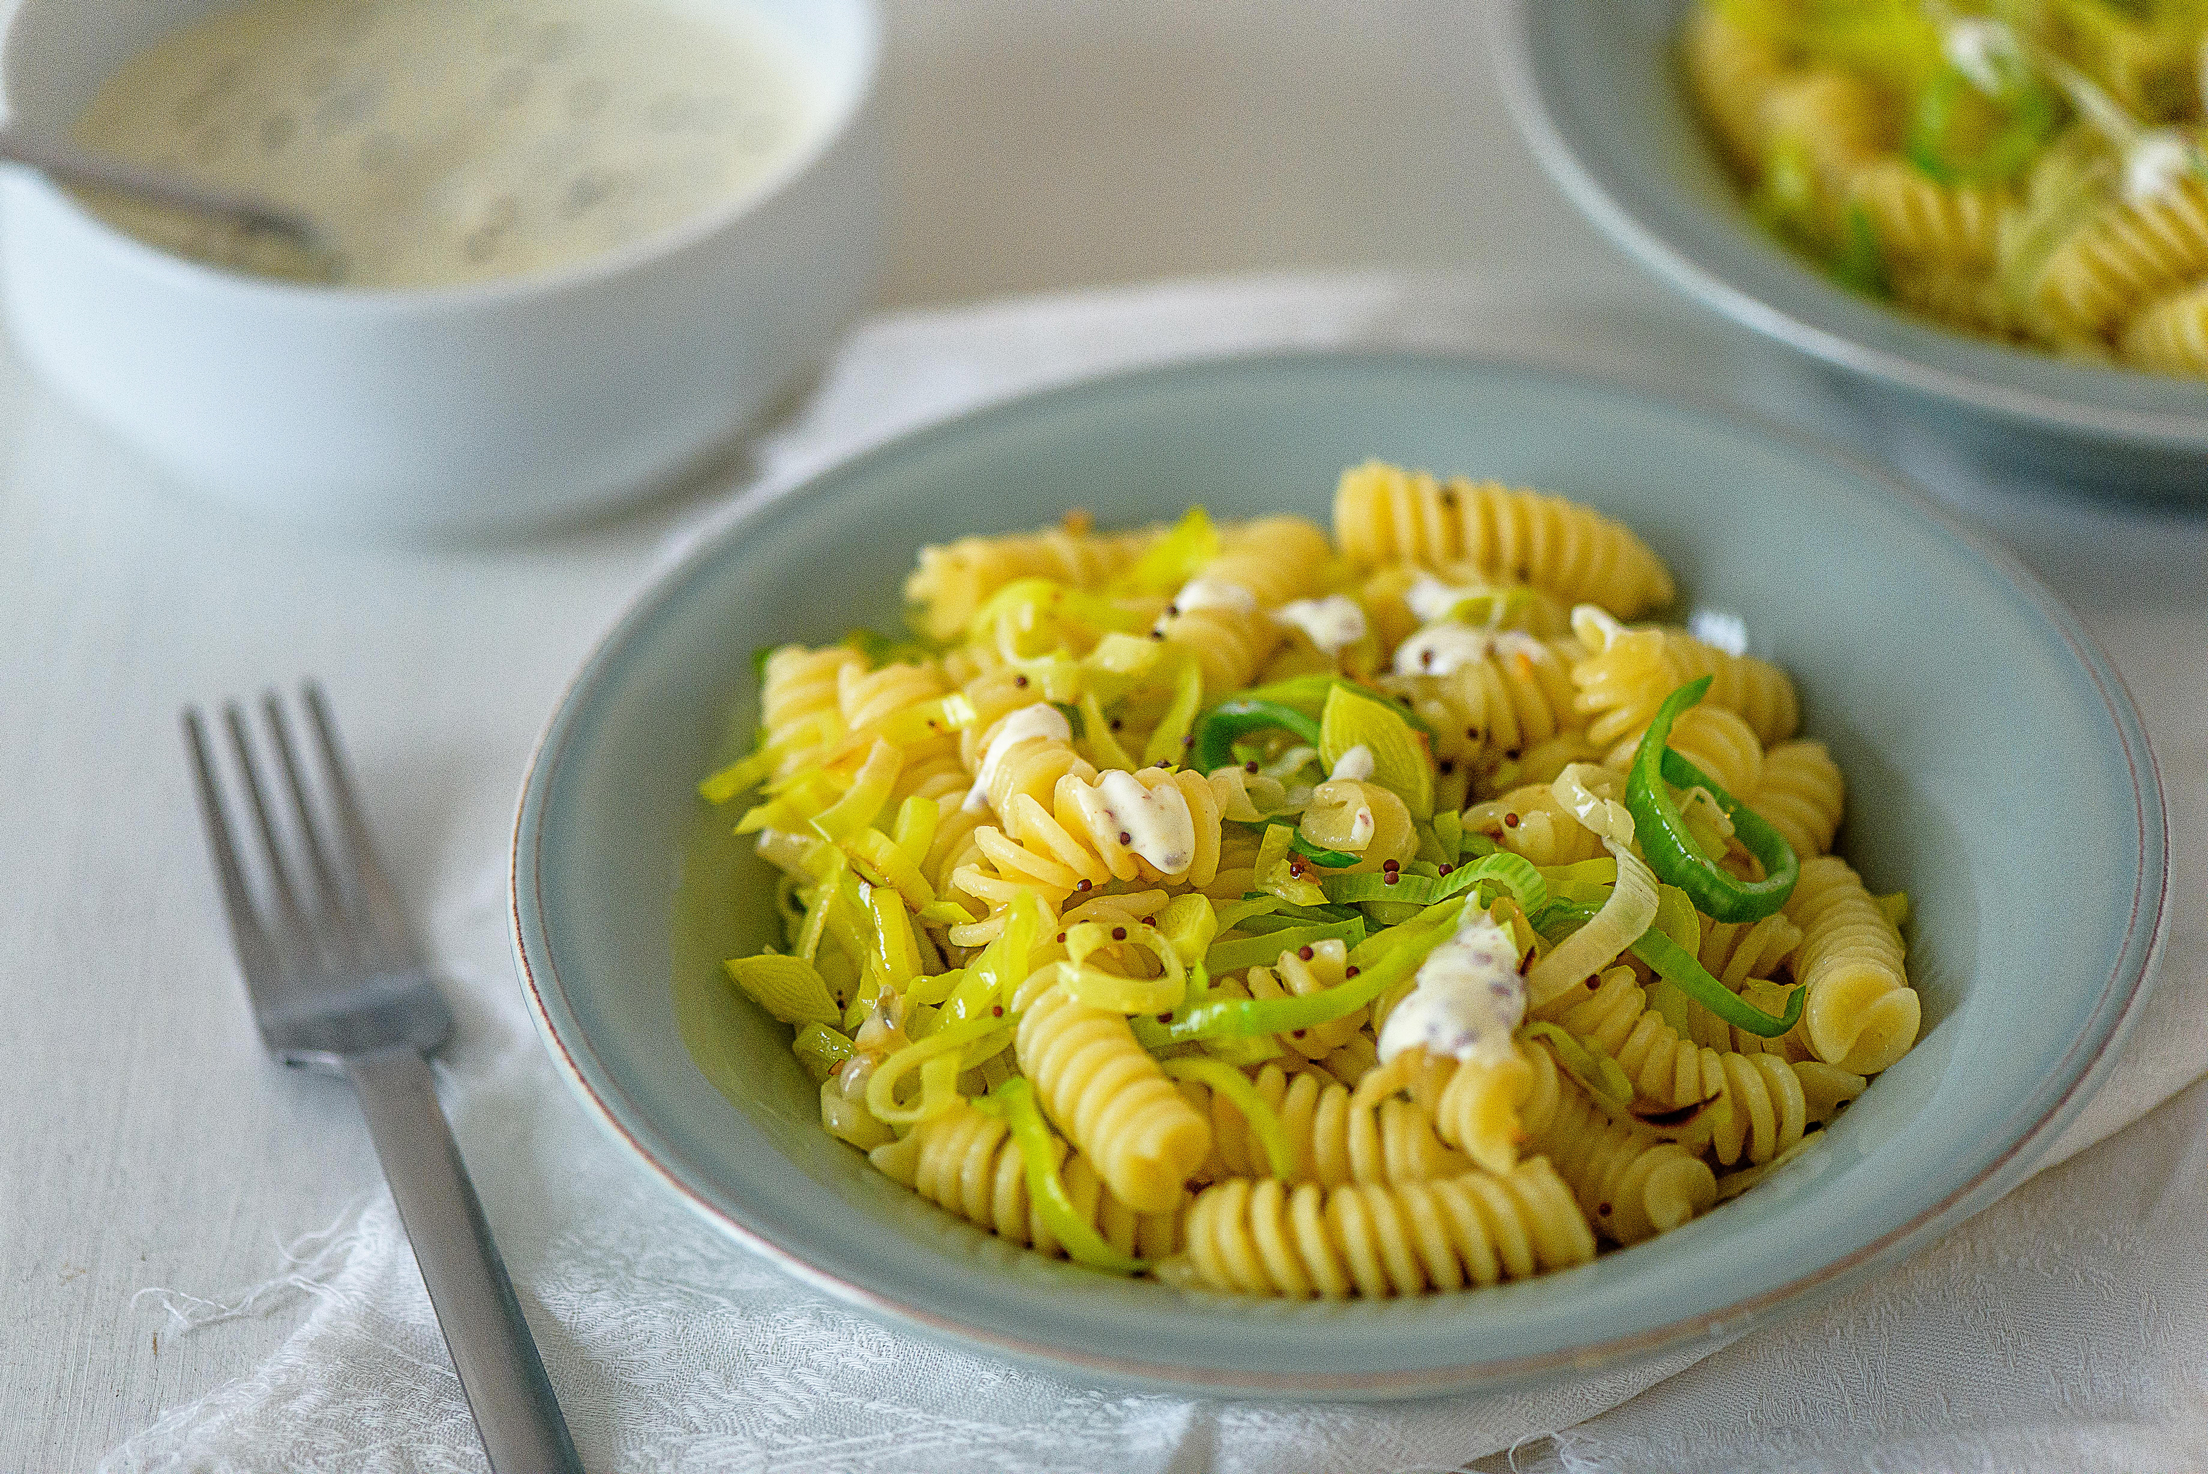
{"points": [[327, 903]]}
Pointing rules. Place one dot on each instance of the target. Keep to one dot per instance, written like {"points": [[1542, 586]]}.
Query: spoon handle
{"points": [[63, 162]]}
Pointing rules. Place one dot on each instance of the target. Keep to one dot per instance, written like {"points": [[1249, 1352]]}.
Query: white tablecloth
{"points": [[151, 1148]]}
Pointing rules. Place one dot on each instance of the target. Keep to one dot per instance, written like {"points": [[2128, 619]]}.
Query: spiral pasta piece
{"points": [[967, 1162], [1923, 222], [1632, 1184], [1861, 1013], [1529, 821], [1106, 1093], [1524, 609], [1826, 1088], [1376, 1240], [1631, 671], [1801, 794], [1293, 976], [1499, 707], [1717, 740], [2170, 334], [1962, 297], [2128, 254], [1478, 1109], [954, 580], [797, 686], [1156, 824], [1383, 514], [1335, 1134]]}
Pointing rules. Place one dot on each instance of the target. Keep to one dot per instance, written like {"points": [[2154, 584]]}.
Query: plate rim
{"points": [[1517, 59], [2114, 1009]]}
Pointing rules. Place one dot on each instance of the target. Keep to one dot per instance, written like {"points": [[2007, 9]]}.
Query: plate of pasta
{"points": [[1150, 880], [1991, 216]]}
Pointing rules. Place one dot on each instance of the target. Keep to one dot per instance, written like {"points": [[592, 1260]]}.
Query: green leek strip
{"points": [[937, 718], [1224, 1079], [868, 792], [790, 988], [1624, 917], [807, 794], [1188, 923], [1235, 913], [1096, 730], [1479, 846], [2030, 120], [935, 989], [1278, 874], [1354, 717], [1047, 600], [822, 1049], [1253, 1051], [1449, 832], [1512, 873], [943, 1049], [1677, 919], [1217, 729], [1675, 965], [896, 949], [1587, 1063], [1175, 559], [914, 831], [1671, 850], [1118, 993], [1013, 1102], [1168, 742], [1425, 931], [883, 862], [1003, 964], [1326, 859], [1229, 1018], [1263, 951]]}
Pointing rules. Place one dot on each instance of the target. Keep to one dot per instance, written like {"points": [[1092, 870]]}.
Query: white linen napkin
{"points": [[2066, 1327]]}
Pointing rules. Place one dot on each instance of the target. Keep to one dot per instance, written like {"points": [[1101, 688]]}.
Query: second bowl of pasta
{"points": [[1989, 219]]}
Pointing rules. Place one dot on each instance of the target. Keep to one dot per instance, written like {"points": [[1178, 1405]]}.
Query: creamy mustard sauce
{"points": [[1212, 593], [435, 142], [1985, 51], [1356, 764], [1154, 824], [1443, 648], [1332, 623], [1469, 1000], [1028, 724]]}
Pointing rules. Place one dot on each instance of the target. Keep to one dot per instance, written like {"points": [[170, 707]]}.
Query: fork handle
{"points": [[507, 1391]]}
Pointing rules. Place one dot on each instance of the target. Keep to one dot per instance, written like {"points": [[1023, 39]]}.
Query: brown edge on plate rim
{"points": [[1715, 1326], [1510, 41]]}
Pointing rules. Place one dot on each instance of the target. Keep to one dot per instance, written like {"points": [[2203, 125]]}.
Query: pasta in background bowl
{"points": [[1606, 95], [1934, 669]]}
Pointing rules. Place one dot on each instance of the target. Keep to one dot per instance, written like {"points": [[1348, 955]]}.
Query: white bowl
{"points": [[439, 409]]}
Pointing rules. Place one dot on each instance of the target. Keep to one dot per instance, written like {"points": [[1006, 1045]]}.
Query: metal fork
{"points": [[339, 985]]}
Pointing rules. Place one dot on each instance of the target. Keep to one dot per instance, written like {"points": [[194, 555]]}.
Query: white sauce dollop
{"points": [[1029, 723], [1356, 763], [1212, 593], [2156, 162], [1985, 51], [1430, 599], [1721, 629], [1444, 647], [1154, 823], [1333, 623], [1469, 1000]]}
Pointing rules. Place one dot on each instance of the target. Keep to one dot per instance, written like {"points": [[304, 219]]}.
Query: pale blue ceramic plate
{"points": [[1998, 772], [1596, 87]]}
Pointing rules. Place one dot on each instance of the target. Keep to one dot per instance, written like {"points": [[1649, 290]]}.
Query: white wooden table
{"points": [[144, 1138]]}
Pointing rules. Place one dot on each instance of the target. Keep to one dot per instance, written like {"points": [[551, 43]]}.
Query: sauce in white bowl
{"points": [[433, 144]]}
